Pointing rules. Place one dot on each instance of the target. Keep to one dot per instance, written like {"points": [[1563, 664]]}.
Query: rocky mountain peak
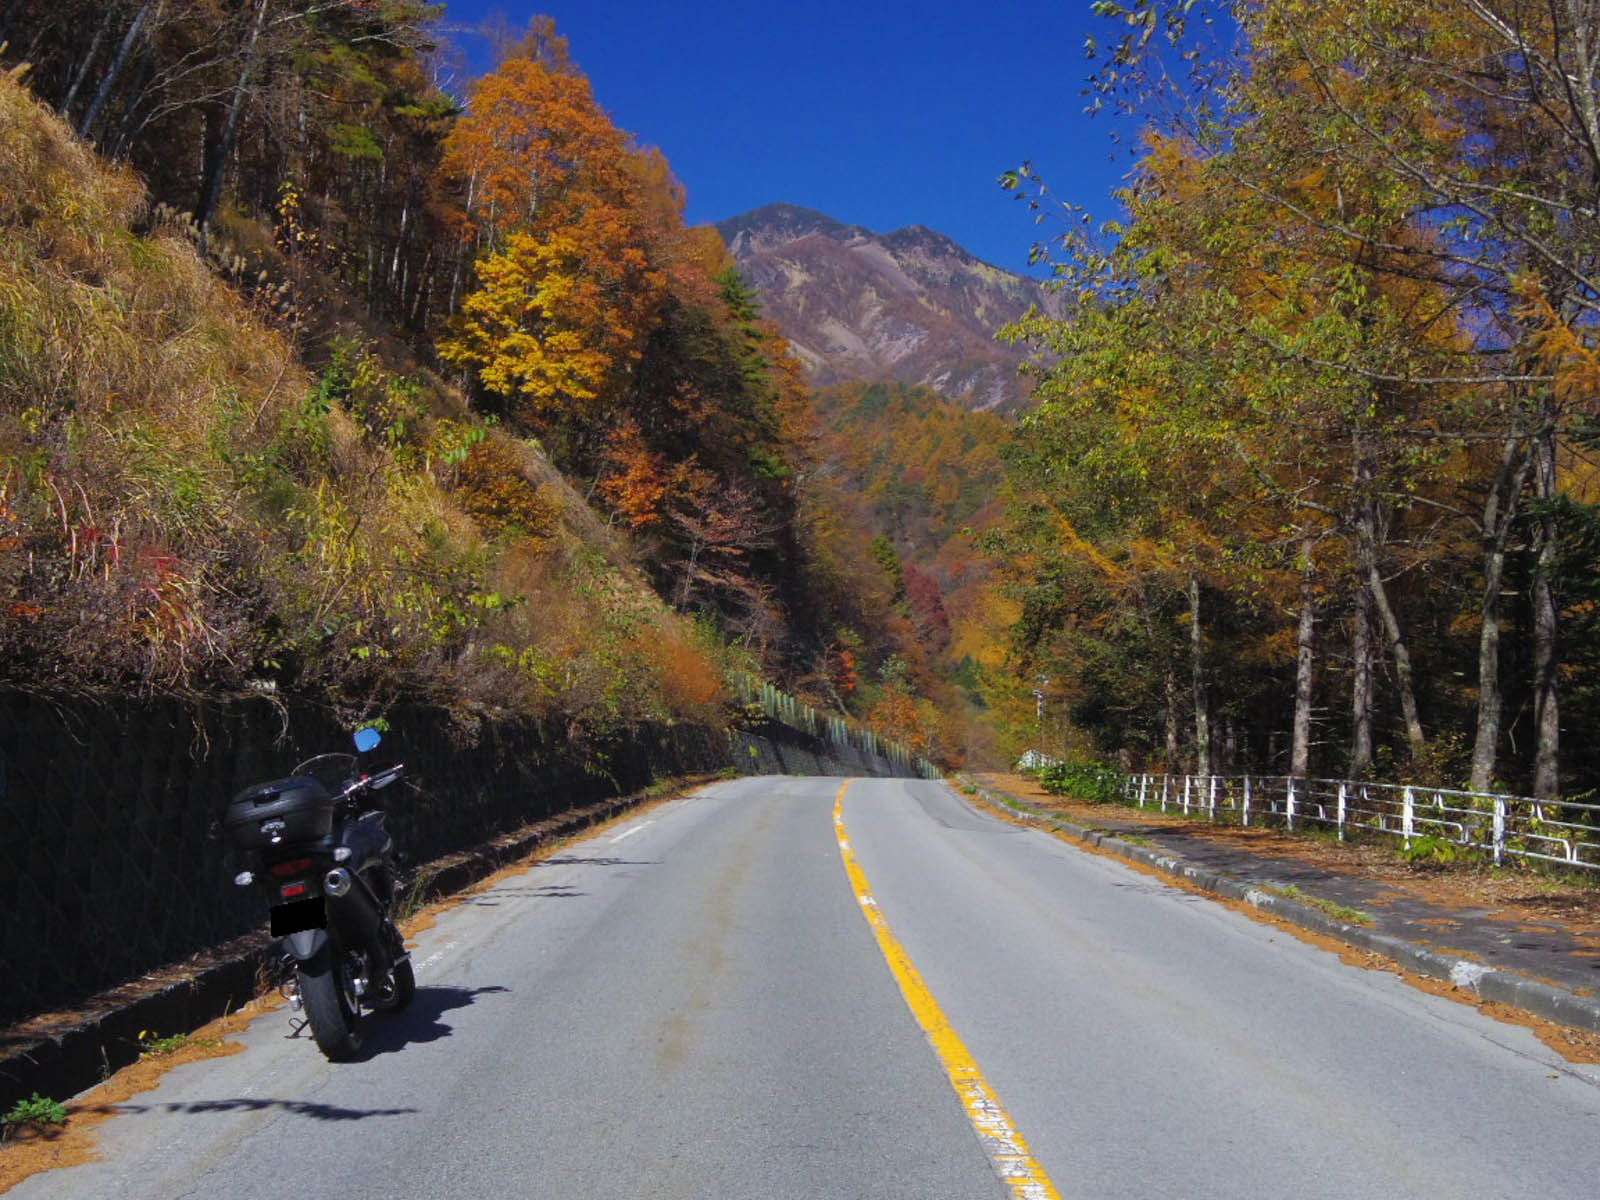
{"points": [[910, 305], [772, 225]]}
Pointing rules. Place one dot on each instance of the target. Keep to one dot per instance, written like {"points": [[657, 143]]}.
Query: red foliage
{"points": [[843, 672], [637, 481], [928, 616]]}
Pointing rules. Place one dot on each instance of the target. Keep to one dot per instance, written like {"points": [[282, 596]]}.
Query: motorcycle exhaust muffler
{"points": [[356, 914]]}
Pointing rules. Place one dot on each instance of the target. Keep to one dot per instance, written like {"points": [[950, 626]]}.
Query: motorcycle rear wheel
{"points": [[395, 992], [332, 1006]]}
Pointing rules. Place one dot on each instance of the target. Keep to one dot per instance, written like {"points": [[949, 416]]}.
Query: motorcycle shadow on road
{"points": [[299, 1108], [501, 893], [553, 891], [575, 860], [420, 1022]]}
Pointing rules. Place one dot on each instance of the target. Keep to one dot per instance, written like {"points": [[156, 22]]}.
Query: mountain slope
{"points": [[923, 476], [909, 306], [187, 505]]}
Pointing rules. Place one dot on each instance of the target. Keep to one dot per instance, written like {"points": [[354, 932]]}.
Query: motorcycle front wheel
{"points": [[332, 1005]]}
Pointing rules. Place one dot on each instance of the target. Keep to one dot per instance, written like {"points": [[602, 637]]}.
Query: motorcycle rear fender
{"points": [[307, 945]]}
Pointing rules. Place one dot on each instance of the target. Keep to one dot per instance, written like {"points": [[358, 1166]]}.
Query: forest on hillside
{"points": [[1311, 482], [317, 376], [923, 474]]}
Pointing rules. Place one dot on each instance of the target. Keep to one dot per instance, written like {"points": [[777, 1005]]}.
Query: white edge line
{"points": [[628, 833], [435, 956]]}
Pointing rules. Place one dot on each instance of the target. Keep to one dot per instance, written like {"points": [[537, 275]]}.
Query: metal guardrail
{"points": [[782, 707], [1562, 832]]}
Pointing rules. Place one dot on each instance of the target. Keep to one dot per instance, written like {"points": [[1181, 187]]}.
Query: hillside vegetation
{"points": [[1311, 482], [916, 482], [408, 396], [184, 505]]}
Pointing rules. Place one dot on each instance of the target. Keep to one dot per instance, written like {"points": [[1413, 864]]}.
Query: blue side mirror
{"points": [[366, 739]]}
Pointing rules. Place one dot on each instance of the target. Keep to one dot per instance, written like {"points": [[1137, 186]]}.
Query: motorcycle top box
{"points": [[282, 812]]}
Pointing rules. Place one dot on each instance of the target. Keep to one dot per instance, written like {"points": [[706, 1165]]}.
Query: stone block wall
{"points": [[112, 855]]}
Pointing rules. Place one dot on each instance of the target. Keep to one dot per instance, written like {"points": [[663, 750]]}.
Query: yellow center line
{"points": [[1007, 1151]]}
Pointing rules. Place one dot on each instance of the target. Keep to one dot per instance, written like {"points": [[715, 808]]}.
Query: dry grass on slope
{"points": [[128, 376], [183, 505]]}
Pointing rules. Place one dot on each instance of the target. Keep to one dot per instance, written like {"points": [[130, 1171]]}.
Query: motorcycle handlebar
{"points": [[387, 776], [373, 782]]}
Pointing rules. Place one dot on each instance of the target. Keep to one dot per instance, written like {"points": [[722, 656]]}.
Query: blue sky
{"points": [[884, 114]]}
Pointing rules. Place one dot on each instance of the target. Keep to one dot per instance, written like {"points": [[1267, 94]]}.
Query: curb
{"points": [[1488, 983], [107, 1037]]}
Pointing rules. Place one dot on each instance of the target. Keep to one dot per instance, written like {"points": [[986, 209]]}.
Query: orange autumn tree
{"points": [[597, 316], [637, 481], [567, 291], [601, 319]]}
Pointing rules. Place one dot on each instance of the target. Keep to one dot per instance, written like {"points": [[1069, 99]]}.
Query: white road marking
{"points": [[434, 957], [628, 833]]}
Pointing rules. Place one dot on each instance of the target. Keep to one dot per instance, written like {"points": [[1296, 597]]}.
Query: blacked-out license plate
{"points": [[299, 915]]}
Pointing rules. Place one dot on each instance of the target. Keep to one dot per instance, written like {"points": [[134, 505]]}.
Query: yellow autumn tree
{"points": [[566, 290]]}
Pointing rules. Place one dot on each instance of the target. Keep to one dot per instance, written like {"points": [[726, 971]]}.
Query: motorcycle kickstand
{"points": [[289, 989]]}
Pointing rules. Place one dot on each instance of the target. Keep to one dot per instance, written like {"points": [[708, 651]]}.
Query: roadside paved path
{"points": [[1550, 947]]}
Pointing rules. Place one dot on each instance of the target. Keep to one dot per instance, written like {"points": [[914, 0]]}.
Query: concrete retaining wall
{"points": [[112, 857]]}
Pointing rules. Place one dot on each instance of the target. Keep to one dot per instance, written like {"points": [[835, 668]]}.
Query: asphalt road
{"points": [[693, 1005]]}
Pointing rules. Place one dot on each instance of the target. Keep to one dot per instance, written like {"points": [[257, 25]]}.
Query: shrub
{"points": [[691, 681], [492, 488], [152, 1045], [1083, 779], [38, 1111], [1432, 850]]}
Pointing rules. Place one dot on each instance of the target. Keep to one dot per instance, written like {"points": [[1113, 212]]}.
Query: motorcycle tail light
{"points": [[293, 866], [291, 890]]}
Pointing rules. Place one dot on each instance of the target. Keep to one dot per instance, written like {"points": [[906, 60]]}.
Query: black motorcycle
{"points": [[317, 848]]}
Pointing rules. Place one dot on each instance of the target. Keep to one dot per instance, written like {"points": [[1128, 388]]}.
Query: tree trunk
{"points": [[1499, 510], [132, 122], [686, 584], [1305, 661], [115, 69], [1361, 686], [1172, 722], [86, 62], [1546, 707], [217, 161], [1202, 712], [1402, 661], [36, 43], [419, 299], [395, 263], [459, 269], [1372, 580]]}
